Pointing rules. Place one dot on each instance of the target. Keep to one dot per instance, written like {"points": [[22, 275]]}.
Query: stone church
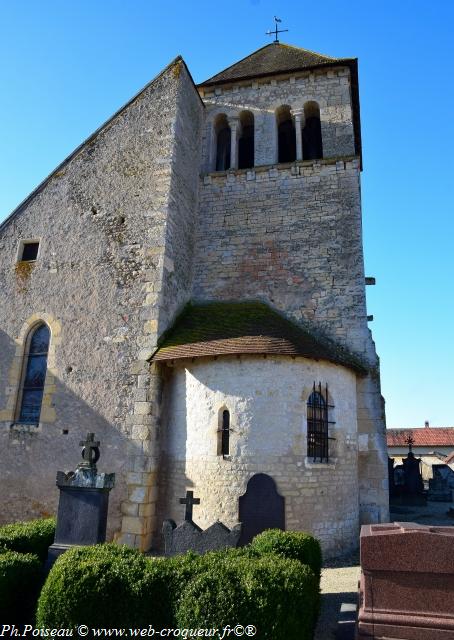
{"points": [[189, 285]]}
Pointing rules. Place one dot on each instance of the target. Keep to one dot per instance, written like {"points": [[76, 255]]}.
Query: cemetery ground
{"points": [[339, 581]]}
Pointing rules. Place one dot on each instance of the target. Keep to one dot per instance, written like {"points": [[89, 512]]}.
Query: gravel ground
{"points": [[339, 583], [339, 586]]}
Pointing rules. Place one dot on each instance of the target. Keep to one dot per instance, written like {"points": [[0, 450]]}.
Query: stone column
{"points": [[299, 124], [234, 125]]}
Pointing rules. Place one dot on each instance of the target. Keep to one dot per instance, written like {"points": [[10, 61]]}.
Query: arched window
{"points": [[246, 141], [223, 141], [286, 139], [34, 375], [317, 424], [312, 132]]}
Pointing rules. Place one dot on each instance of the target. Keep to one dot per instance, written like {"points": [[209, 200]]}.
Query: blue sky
{"points": [[65, 67]]}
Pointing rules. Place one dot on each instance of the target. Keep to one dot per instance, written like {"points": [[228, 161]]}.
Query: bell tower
{"points": [[280, 215]]}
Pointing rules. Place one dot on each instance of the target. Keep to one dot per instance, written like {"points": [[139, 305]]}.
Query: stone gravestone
{"points": [[407, 582], [83, 503], [188, 536], [260, 508], [439, 489]]}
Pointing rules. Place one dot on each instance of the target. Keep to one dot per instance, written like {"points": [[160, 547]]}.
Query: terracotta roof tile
{"points": [[423, 437], [245, 327]]}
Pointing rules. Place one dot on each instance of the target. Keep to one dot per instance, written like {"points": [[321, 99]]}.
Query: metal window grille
{"points": [[225, 434], [317, 424]]}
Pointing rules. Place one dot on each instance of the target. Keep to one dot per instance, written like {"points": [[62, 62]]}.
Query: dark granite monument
{"points": [[83, 504], [188, 536], [260, 508], [408, 486], [407, 582]]}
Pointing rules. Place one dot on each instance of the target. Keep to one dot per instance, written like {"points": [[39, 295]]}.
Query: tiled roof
{"points": [[220, 328], [423, 437], [272, 59]]}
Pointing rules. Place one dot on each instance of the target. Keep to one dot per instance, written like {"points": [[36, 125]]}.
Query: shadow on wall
{"points": [[172, 479], [31, 456]]}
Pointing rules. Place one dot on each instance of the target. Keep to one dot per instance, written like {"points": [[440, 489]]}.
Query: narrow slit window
{"points": [[29, 251], [35, 367], [225, 433], [317, 424]]}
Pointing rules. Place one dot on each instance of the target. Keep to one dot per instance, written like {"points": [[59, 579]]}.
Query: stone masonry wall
{"points": [[267, 401], [330, 89], [101, 221], [291, 235]]}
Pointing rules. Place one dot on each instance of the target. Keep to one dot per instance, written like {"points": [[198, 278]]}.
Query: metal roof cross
{"points": [[276, 30]]}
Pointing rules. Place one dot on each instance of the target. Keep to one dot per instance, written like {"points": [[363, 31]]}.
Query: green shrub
{"points": [[276, 595], [35, 536], [20, 579], [104, 586], [296, 545]]}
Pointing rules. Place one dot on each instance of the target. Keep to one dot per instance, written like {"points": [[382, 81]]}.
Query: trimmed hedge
{"points": [[103, 585], [296, 545], [34, 537], [276, 595], [20, 579], [111, 586]]}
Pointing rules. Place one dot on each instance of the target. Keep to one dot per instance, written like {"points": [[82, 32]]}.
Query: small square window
{"points": [[30, 251]]}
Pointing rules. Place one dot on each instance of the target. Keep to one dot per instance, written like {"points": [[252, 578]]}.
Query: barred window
{"points": [[317, 424], [34, 376]]}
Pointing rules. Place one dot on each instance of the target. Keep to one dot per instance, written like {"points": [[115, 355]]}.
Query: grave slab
{"points": [[407, 582]]}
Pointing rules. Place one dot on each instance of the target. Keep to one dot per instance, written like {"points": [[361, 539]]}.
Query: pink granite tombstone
{"points": [[407, 582]]}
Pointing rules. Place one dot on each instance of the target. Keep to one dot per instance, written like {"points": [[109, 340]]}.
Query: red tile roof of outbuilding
{"points": [[423, 437]]}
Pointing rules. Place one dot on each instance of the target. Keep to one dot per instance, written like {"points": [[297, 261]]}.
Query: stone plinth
{"points": [[407, 582]]}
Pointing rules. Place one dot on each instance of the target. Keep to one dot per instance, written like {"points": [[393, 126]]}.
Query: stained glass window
{"points": [[34, 375]]}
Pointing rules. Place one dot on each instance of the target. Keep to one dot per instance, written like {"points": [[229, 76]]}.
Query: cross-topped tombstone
{"points": [[189, 501], [83, 503], [90, 452]]}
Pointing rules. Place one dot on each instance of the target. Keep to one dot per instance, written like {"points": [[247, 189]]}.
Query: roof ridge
{"points": [[237, 62]]}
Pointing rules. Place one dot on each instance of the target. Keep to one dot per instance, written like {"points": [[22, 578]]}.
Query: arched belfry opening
{"points": [[246, 141], [286, 138], [223, 142], [312, 132]]}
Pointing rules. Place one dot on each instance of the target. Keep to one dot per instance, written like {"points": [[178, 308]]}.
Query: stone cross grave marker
{"points": [[189, 501]]}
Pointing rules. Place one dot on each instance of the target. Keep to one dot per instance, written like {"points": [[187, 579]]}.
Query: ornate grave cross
{"points": [[189, 501], [90, 451], [410, 441], [276, 30]]}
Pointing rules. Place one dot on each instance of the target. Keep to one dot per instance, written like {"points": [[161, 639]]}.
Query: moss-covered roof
{"points": [[222, 328], [271, 59]]}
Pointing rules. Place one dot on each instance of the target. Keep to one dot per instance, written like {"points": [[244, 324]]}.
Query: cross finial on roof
{"points": [[276, 30]]}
